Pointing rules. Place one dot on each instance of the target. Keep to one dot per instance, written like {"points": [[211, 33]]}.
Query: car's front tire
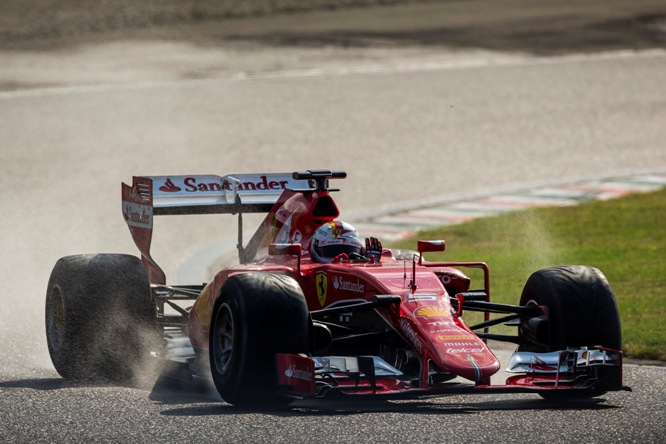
{"points": [[582, 312], [582, 307], [255, 316]]}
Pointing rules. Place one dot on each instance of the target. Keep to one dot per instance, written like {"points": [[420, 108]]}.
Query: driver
{"points": [[337, 238]]}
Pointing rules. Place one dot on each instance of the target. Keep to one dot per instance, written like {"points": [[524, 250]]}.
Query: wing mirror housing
{"points": [[424, 246], [285, 250]]}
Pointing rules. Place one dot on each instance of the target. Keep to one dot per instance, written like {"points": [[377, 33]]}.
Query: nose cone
{"points": [[475, 366], [465, 355], [451, 345]]}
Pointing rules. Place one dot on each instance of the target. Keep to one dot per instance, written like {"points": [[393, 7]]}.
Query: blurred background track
{"points": [[542, 27]]}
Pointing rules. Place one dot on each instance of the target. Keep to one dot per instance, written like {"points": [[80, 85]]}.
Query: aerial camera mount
{"points": [[318, 179]]}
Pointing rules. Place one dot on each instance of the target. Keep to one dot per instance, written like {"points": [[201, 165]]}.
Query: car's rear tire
{"points": [[100, 318], [582, 312], [255, 316]]}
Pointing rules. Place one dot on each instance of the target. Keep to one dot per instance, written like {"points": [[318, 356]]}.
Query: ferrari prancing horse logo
{"points": [[321, 282]]}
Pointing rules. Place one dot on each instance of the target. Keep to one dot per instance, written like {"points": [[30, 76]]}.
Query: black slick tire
{"points": [[582, 307], [255, 316], [582, 313], [100, 318]]}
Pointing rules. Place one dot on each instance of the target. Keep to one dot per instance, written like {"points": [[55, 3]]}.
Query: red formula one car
{"points": [[311, 311]]}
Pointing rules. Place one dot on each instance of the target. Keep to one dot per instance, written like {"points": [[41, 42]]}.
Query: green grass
{"points": [[625, 238]]}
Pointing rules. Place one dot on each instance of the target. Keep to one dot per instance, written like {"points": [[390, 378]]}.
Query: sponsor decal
{"points": [[455, 337], [442, 324], [340, 283], [461, 344], [263, 184], [210, 184], [411, 335], [432, 311], [321, 283], [443, 330], [445, 278], [421, 297], [169, 187], [461, 350], [138, 215], [295, 373]]}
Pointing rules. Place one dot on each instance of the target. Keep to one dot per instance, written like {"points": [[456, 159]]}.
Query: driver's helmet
{"points": [[332, 239]]}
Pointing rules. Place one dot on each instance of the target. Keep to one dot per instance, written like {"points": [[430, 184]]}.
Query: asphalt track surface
{"points": [[406, 130]]}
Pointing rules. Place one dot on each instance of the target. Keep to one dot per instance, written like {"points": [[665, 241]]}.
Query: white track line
{"points": [[343, 71]]}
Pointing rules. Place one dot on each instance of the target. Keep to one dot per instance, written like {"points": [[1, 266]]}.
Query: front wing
{"points": [[578, 373]]}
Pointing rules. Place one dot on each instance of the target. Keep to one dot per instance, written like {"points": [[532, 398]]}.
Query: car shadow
{"points": [[434, 406], [184, 396]]}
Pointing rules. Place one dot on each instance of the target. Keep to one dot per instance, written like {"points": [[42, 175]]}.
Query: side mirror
{"points": [[285, 249], [433, 245], [424, 246]]}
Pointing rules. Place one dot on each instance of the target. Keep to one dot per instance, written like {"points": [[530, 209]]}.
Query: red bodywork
{"points": [[425, 317], [419, 313]]}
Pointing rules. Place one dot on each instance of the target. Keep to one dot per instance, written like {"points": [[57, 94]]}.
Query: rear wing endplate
{"points": [[150, 196]]}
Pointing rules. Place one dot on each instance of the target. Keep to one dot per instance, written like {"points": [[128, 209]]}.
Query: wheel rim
{"points": [[55, 320], [223, 339]]}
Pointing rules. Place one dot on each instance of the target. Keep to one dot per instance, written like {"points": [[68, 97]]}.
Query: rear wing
{"points": [[150, 196], [205, 194]]}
